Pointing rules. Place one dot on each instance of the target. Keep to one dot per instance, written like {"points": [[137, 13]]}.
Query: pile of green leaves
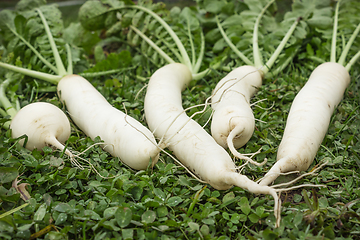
{"points": [[166, 202]]}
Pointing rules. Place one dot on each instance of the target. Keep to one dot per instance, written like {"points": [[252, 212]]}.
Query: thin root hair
{"points": [[138, 93], [162, 150]]}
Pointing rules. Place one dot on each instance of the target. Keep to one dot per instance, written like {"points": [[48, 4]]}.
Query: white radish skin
{"points": [[190, 143], [44, 124], [309, 119], [233, 121], [123, 136]]}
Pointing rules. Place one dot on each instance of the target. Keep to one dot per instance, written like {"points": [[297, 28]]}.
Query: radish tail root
{"points": [[236, 179], [281, 166], [237, 131], [52, 141]]}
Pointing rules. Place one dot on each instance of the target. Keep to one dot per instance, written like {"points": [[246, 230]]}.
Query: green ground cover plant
{"points": [[44, 196]]}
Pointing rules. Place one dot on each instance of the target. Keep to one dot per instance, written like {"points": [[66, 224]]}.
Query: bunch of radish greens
{"points": [[142, 159]]}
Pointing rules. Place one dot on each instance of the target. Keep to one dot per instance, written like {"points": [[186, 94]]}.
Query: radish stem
{"points": [[333, 41], [40, 75], [59, 63], [348, 45], [281, 46], [153, 45], [256, 51], [46, 62], [231, 45]]}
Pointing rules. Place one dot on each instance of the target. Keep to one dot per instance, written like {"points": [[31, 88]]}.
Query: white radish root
{"points": [[92, 113], [309, 119]]}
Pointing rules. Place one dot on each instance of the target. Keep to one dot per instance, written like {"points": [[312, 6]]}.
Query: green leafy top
{"points": [[23, 30], [160, 35], [345, 22], [254, 26]]}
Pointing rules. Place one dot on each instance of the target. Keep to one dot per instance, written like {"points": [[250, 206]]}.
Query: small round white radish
{"points": [[309, 119], [123, 136], [190, 143], [231, 103], [44, 124]]}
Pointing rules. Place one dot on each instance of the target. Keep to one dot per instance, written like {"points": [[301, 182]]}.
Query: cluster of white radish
{"points": [[233, 121], [189, 142], [203, 154]]}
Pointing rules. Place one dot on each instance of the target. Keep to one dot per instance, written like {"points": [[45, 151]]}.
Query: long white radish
{"points": [[44, 124], [309, 119], [311, 110], [123, 136], [233, 121], [190, 143]]}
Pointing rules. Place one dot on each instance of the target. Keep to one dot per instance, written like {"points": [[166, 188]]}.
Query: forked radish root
{"points": [[233, 121]]}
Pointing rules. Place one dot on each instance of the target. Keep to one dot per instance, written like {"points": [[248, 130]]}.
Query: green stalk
{"points": [[352, 61], [59, 63], [201, 54], [256, 51], [191, 45], [103, 73], [281, 46], [232, 46], [185, 56], [202, 74], [168, 45], [280, 68], [316, 59], [69, 59], [54, 79], [153, 45], [4, 101], [348, 45], [333, 40], [46, 62], [3, 113]]}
